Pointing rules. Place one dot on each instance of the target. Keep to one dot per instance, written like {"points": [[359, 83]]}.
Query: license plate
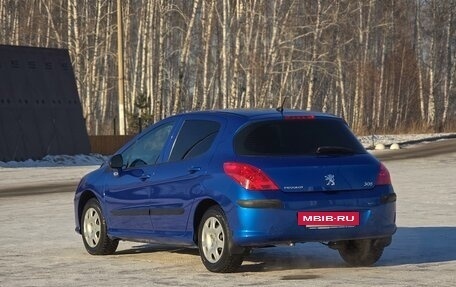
{"points": [[328, 219]]}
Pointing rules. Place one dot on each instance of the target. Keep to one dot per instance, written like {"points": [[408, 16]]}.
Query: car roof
{"points": [[251, 114]]}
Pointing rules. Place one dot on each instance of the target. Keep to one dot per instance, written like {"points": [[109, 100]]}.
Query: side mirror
{"points": [[116, 161]]}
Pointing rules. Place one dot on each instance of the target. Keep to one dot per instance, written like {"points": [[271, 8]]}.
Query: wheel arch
{"points": [[202, 207], [83, 199]]}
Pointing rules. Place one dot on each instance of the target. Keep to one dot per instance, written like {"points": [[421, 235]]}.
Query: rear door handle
{"points": [[194, 169]]}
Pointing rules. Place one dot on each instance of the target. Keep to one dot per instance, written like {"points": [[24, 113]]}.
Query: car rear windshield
{"points": [[297, 137]]}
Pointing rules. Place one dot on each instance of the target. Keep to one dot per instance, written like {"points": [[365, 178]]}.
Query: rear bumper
{"points": [[266, 224]]}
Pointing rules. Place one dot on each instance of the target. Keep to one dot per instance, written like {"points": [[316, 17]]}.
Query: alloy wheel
{"points": [[92, 227], [213, 239]]}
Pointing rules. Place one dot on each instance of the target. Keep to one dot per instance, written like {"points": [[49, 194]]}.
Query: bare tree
{"points": [[382, 65]]}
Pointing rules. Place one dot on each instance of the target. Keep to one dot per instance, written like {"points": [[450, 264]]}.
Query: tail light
{"points": [[249, 177], [383, 177]]}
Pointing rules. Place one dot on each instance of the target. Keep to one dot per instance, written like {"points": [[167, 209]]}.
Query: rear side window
{"points": [[297, 137], [195, 138]]}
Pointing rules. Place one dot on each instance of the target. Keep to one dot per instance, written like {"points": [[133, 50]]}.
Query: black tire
{"points": [[215, 244], [360, 252], [93, 230]]}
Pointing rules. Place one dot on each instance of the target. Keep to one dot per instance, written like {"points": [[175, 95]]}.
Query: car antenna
{"points": [[280, 108]]}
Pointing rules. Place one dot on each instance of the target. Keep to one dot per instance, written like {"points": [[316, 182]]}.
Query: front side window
{"points": [[194, 139], [147, 149], [296, 137]]}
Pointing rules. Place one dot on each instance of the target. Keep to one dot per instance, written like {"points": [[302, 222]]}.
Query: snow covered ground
{"points": [[387, 140], [50, 170], [38, 246], [57, 161]]}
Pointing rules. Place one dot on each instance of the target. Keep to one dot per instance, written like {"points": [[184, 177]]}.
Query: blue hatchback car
{"points": [[229, 181]]}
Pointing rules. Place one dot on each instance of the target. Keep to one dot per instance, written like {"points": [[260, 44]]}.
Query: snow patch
{"points": [[387, 140], [395, 146], [380, 146], [58, 160]]}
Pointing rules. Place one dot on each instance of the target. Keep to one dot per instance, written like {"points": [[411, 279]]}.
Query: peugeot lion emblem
{"points": [[330, 180]]}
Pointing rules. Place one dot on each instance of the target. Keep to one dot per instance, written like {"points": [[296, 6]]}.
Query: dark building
{"points": [[40, 111]]}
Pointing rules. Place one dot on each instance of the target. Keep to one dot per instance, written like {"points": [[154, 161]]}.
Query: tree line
{"points": [[383, 65]]}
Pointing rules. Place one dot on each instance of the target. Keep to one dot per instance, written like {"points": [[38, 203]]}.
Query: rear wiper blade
{"points": [[334, 150]]}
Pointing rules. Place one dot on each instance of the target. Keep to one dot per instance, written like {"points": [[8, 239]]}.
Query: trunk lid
{"points": [[321, 173]]}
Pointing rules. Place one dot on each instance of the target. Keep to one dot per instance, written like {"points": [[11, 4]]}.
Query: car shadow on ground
{"points": [[416, 245], [411, 245], [154, 248]]}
